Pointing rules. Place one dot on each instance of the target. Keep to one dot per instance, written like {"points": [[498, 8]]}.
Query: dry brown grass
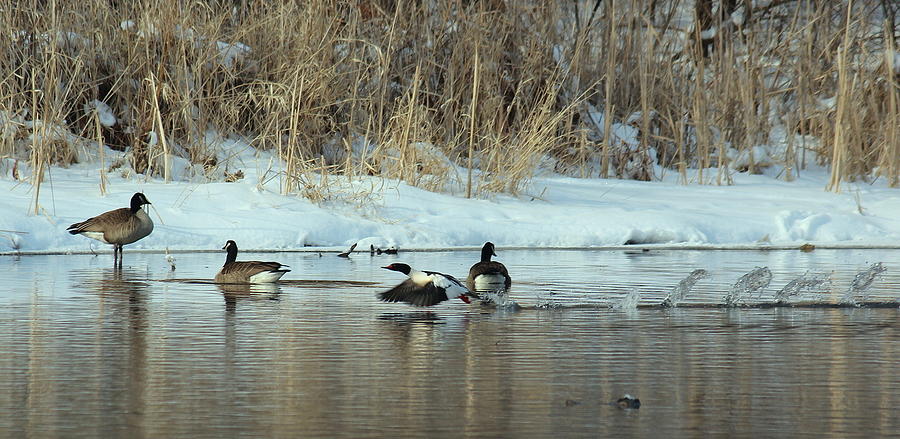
{"points": [[500, 88]]}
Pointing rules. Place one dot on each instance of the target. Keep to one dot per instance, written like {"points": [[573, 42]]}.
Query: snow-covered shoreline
{"points": [[756, 212], [334, 249]]}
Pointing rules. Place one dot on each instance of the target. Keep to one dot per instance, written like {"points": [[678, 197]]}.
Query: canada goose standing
{"points": [[242, 272], [117, 227], [425, 288], [488, 275]]}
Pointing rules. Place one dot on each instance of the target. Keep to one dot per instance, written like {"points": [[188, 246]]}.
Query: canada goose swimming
{"points": [[117, 227], [425, 288], [628, 402], [242, 272], [392, 250], [488, 275]]}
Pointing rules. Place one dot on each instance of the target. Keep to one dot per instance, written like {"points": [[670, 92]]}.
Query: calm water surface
{"points": [[87, 351]]}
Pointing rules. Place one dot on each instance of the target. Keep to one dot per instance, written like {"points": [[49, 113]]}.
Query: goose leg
{"points": [[117, 256]]}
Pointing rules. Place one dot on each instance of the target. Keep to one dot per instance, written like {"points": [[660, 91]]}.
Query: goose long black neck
{"points": [[231, 254], [486, 252], [136, 203]]}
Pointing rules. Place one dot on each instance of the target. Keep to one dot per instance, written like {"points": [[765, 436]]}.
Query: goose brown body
{"points": [[242, 272], [488, 274], [117, 227]]}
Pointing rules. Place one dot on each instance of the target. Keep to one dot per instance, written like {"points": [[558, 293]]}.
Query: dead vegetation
{"points": [[462, 96]]}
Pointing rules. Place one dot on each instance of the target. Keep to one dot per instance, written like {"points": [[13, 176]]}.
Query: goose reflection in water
{"points": [[123, 294], [247, 292], [124, 323], [114, 285]]}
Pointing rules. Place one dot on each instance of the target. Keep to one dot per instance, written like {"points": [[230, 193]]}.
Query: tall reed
{"points": [[411, 90]]}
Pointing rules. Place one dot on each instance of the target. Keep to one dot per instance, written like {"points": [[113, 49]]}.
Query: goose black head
{"points": [[487, 251], [403, 268], [138, 200], [232, 249], [628, 402]]}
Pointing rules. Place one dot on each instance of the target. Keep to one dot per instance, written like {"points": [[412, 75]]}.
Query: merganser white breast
{"points": [[425, 288]]}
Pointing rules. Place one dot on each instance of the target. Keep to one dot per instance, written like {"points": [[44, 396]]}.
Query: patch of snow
{"points": [[758, 156], [619, 133], [107, 118], [737, 17], [826, 103], [229, 53], [708, 34], [594, 212]]}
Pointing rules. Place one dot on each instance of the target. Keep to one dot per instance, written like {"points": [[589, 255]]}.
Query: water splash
{"points": [[547, 302], [861, 283], [499, 298], [630, 301], [807, 281], [547, 305], [749, 284], [684, 287]]}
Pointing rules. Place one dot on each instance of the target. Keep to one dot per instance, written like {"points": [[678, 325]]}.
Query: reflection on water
{"points": [[237, 292], [142, 352]]}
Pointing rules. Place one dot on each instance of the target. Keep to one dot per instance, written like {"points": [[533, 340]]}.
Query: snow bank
{"points": [[561, 212]]}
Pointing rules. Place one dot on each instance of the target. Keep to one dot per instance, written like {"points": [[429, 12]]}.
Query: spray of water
{"points": [[861, 283], [749, 284], [630, 301], [805, 282], [681, 290], [547, 305], [499, 298], [547, 302]]}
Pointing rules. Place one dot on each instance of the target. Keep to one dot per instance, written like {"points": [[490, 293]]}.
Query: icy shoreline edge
{"points": [[642, 247]]}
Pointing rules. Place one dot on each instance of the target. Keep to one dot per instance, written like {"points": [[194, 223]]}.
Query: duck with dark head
{"points": [[117, 227], [244, 272], [487, 275], [425, 288]]}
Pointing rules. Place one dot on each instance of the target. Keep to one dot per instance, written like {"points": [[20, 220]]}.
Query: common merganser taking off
{"points": [[488, 275], [425, 288], [243, 272]]}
